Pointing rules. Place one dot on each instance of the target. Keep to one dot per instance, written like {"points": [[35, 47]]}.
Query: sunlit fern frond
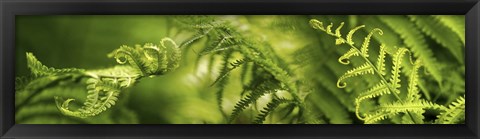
{"points": [[454, 114], [105, 85], [410, 104]]}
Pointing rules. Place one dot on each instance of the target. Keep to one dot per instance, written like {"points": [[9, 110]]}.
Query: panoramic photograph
{"points": [[240, 69]]}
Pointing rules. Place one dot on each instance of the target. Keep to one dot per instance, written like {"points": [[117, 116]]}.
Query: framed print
{"points": [[314, 69]]}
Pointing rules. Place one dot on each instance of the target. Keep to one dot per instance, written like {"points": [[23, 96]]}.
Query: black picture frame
{"points": [[9, 9]]}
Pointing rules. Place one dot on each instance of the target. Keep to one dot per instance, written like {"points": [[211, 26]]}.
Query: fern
{"points": [[455, 23], [41, 109], [411, 105], [441, 34], [222, 81], [327, 105], [454, 114], [38, 69], [245, 102], [269, 109], [104, 85], [266, 70], [271, 74], [389, 110], [416, 42]]}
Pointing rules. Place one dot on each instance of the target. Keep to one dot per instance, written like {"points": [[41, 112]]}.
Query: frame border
{"points": [[10, 8]]}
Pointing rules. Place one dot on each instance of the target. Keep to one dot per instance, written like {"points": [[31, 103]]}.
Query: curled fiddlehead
{"points": [[105, 85]]}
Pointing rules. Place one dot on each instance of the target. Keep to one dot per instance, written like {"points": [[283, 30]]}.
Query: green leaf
{"points": [[361, 70], [454, 114], [441, 34], [415, 40]]}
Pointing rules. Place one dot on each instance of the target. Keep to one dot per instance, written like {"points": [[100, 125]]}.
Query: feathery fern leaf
{"points": [[104, 86], [455, 23], [38, 69], [441, 34], [454, 114], [413, 106], [245, 102], [414, 39], [269, 109], [258, 55]]}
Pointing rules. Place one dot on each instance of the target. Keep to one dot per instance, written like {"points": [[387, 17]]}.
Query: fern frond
{"points": [[414, 39], [454, 114], [101, 95], [118, 115], [103, 88], [271, 106], [103, 104], [326, 81], [197, 21], [378, 90], [413, 106], [199, 35], [38, 69], [174, 53], [388, 110], [227, 40], [222, 44], [245, 102], [150, 59], [279, 73], [153, 52], [34, 84], [390, 40], [226, 70], [455, 22], [317, 24], [440, 33], [328, 105], [377, 116], [133, 57], [368, 66], [222, 81], [105, 85]]}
